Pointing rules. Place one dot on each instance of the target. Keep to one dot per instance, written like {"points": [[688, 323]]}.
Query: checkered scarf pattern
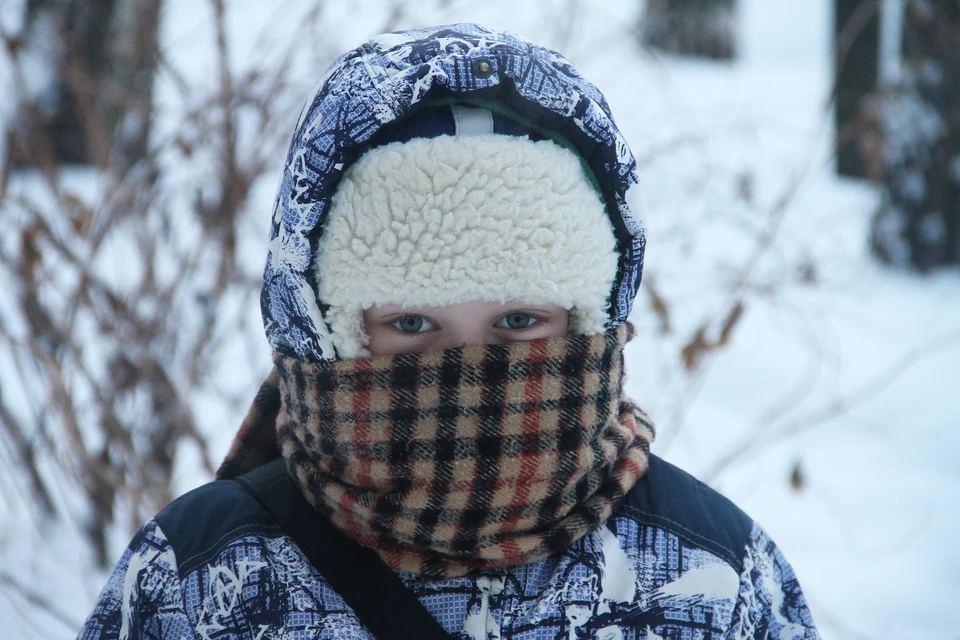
{"points": [[255, 443], [460, 460]]}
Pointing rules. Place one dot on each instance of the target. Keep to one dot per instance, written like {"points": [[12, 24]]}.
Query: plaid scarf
{"points": [[456, 461]]}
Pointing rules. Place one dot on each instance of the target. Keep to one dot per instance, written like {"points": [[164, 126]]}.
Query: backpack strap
{"points": [[382, 602]]}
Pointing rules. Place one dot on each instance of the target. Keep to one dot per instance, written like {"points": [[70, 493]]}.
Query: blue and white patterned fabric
{"points": [[387, 79], [676, 561]]}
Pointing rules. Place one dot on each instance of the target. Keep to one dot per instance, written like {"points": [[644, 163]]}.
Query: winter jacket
{"points": [[677, 560]]}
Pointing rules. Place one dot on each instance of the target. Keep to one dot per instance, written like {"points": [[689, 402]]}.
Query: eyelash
{"points": [[536, 320], [395, 322]]}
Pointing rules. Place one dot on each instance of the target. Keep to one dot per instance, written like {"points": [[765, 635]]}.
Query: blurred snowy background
{"points": [[785, 365]]}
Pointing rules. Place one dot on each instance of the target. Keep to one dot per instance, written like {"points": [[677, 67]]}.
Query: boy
{"points": [[454, 257]]}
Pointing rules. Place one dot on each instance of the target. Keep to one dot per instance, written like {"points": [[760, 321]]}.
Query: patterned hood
{"points": [[387, 80]]}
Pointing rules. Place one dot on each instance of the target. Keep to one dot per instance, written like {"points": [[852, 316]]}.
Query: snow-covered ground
{"points": [[832, 416]]}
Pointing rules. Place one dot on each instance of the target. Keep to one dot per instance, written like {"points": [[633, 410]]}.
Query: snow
{"points": [[831, 415]]}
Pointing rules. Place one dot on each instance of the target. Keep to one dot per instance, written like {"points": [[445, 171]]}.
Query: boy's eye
{"points": [[412, 324], [516, 321]]}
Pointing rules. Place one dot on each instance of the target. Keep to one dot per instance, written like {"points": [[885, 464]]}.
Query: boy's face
{"points": [[395, 329]]}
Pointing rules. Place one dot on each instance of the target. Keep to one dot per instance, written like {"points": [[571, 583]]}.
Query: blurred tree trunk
{"points": [[96, 104], [702, 28], [856, 49], [918, 222]]}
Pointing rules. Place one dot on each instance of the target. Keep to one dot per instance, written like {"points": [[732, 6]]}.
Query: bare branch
{"points": [[760, 439], [38, 601]]}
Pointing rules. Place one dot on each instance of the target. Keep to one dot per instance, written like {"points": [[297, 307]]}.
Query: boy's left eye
{"points": [[412, 324], [516, 321]]}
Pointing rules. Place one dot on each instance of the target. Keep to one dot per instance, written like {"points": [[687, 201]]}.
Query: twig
{"points": [[752, 444], [39, 601], [27, 459]]}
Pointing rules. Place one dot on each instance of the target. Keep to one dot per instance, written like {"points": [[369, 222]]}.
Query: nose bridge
{"points": [[465, 331]]}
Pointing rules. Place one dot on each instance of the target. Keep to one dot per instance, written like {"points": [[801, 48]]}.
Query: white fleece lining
{"points": [[438, 221]]}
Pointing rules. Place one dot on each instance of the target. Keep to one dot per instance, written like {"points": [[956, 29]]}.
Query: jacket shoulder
{"points": [[202, 522], [671, 499]]}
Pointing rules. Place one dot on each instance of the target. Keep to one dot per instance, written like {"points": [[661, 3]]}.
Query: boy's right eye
{"points": [[412, 324]]}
